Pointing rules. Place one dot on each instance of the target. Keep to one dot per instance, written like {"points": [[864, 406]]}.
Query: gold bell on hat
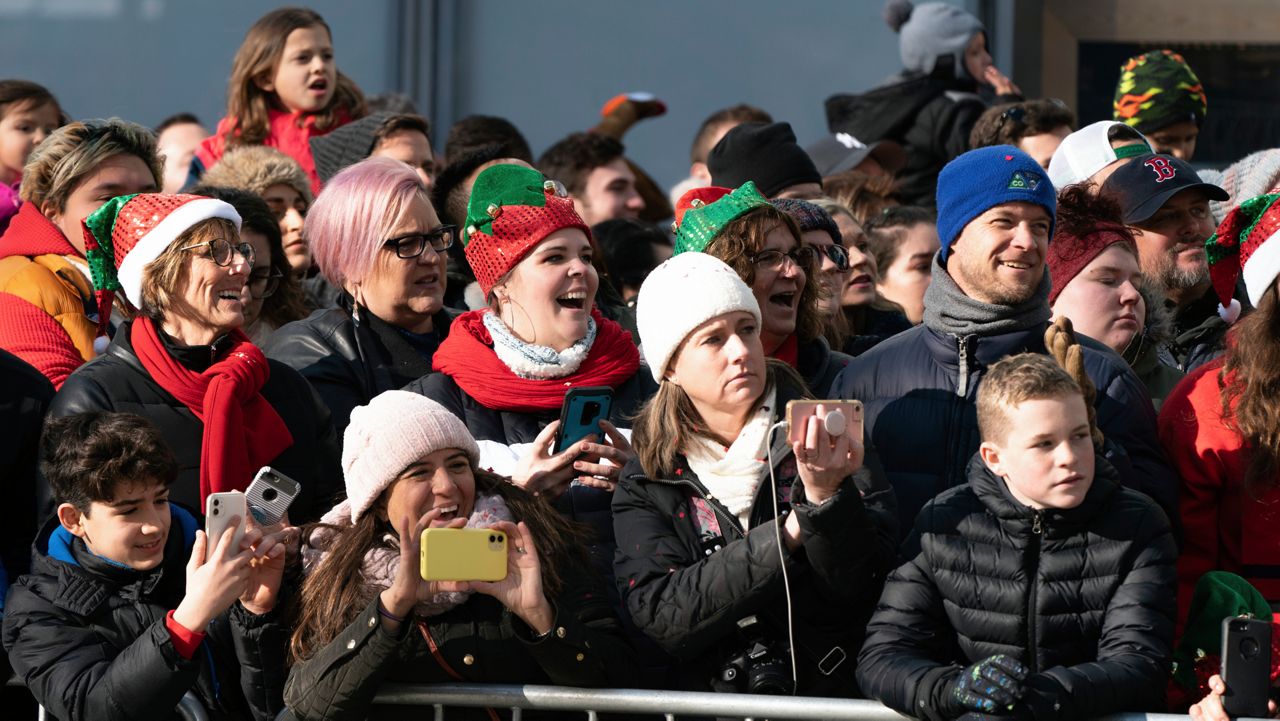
{"points": [[471, 230], [675, 227], [494, 210], [555, 188], [697, 203]]}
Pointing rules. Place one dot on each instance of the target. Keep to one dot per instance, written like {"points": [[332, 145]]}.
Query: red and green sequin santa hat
{"points": [[512, 209], [1244, 247], [129, 231], [702, 213]]}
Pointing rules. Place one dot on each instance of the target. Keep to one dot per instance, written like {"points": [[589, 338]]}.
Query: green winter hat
{"points": [[1158, 89], [512, 208], [1218, 595], [703, 212]]}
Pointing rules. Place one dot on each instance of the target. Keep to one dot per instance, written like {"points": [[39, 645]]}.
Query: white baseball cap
{"points": [[1088, 150]]}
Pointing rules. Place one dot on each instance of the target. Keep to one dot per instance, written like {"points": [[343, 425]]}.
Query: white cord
{"points": [[777, 530]]}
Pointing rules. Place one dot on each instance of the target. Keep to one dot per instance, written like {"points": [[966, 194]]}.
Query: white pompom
{"points": [[1230, 313]]}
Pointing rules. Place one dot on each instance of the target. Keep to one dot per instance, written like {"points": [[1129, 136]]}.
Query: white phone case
{"points": [[219, 509]]}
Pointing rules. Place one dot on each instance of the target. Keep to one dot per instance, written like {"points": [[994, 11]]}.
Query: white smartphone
{"points": [[219, 509], [270, 494]]}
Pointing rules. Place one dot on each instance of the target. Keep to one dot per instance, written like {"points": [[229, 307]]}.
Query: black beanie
{"points": [[766, 153]]}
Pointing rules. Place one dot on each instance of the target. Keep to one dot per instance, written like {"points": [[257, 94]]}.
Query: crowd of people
{"points": [[1061, 476]]}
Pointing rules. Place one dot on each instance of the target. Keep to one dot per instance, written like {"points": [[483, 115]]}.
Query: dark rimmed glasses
{"points": [[221, 251], [805, 257], [838, 254], [264, 283], [413, 245]]}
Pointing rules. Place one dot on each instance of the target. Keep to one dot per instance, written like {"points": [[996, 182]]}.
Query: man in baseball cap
{"points": [[1166, 204], [841, 151]]}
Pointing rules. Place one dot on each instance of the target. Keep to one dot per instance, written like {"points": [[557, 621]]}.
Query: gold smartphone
{"points": [[797, 411], [463, 554]]}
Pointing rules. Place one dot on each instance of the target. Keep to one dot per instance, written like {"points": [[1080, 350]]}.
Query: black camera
{"points": [[759, 665]]}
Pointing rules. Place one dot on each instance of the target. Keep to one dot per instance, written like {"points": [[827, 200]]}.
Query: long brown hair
{"points": [[1250, 383], [745, 236], [335, 592], [669, 420], [257, 59]]}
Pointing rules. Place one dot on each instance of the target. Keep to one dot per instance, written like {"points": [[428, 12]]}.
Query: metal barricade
{"points": [[668, 704], [189, 707]]}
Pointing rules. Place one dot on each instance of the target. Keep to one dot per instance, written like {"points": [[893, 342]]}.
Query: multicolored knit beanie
{"points": [[703, 212], [810, 217], [1244, 246], [129, 231], [512, 208], [1158, 89]]}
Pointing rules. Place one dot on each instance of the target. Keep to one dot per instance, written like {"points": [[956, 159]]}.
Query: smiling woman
{"points": [[183, 361]]}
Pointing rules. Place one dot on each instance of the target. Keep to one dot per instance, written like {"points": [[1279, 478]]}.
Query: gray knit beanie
{"points": [[345, 145], [930, 30], [1254, 175]]}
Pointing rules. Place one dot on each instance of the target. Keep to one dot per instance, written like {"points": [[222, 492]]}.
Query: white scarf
{"points": [[537, 362], [732, 475]]}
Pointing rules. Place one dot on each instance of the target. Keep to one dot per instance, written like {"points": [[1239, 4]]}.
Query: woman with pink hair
{"points": [[374, 234]]}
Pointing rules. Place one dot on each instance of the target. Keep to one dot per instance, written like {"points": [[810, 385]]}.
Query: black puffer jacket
{"points": [[820, 366], [349, 363], [116, 381], [919, 390], [929, 115], [481, 641], [1084, 597], [88, 638], [688, 581]]}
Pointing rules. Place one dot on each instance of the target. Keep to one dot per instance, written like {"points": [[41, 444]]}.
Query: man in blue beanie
{"points": [[988, 299]]}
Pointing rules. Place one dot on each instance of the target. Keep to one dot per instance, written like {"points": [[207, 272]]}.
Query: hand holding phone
{"points": [[1246, 666], [581, 413], [824, 459], [223, 511]]}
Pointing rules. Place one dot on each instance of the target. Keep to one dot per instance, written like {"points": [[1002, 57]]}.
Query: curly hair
{"points": [[86, 456], [1081, 212]]}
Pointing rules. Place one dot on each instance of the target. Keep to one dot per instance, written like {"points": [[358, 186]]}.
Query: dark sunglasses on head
{"points": [[414, 244]]}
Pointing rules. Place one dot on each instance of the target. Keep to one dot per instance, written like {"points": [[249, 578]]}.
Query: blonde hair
{"points": [[71, 153], [1015, 380], [162, 277]]}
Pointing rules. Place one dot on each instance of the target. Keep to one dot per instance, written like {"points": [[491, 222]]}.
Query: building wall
{"points": [[548, 66]]}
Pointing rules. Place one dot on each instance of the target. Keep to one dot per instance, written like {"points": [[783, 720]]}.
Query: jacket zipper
{"points": [[1033, 565], [962, 383], [711, 501]]}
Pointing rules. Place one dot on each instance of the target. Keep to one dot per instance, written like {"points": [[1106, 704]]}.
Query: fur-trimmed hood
{"points": [[256, 168]]}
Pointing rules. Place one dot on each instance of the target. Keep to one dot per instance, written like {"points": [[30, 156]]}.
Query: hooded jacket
{"points": [[88, 637], [689, 571], [1083, 597]]}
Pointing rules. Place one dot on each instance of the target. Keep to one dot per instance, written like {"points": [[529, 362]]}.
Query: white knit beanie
{"points": [[682, 294], [396, 429]]}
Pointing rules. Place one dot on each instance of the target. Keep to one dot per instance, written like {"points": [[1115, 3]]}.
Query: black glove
{"points": [[992, 685]]}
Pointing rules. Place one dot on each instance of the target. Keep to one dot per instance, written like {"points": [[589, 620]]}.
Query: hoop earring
{"points": [[510, 323]]}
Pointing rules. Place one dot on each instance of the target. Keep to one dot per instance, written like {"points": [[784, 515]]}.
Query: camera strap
{"points": [[439, 657]]}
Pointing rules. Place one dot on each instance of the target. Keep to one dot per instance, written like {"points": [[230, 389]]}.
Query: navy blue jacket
{"points": [[919, 391]]}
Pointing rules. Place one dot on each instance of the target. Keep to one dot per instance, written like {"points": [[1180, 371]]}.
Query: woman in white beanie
{"points": [[701, 543], [365, 616]]}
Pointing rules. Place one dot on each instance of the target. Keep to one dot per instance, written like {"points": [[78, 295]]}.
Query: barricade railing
{"points": [[668, 704]]}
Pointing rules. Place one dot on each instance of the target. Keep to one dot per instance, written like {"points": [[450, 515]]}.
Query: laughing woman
{"points": [[504, 370], [184, 364], [763, 244]]}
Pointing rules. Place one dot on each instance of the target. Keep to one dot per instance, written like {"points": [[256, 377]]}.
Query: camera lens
{"points": [[1249, 648], [493, 539], [269, 495], [216, 503]]}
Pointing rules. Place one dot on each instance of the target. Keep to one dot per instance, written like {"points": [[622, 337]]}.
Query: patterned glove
{"points": [[992, 685]]}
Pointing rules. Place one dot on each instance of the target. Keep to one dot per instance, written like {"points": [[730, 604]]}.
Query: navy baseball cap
{"points": [[1143, 185]]}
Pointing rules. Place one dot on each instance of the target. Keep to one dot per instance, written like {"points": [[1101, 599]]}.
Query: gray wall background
{"points": [[548, 65]]}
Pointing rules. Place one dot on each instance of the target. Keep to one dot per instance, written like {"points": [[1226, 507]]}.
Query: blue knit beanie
{"points": [[981, 179]]}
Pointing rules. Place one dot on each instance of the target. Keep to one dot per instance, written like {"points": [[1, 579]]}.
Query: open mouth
{"points": [[428, 280], [319, 86], [149, 547], [860, 279], [447, 513], [229, 295], [576, 300], [786, 300], [1015, 265]]}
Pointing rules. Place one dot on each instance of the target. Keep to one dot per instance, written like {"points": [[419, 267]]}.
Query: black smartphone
{"points": [[581, 413], [1246, 666]]}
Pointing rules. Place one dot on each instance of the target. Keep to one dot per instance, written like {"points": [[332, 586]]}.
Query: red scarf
{"points": [[467, 356], [242, 432]]}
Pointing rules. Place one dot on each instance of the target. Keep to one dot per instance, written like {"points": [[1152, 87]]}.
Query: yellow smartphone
{"points": [[463, 554]]}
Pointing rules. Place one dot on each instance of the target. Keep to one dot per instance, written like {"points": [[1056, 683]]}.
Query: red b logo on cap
{"points": [[1163, 169]]}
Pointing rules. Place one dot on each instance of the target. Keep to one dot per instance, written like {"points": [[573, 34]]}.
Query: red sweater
{"points": [[1226, 527]]}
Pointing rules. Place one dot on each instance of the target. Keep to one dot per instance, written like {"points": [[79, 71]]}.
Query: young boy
{"points": [[1042, 589], [114, 621]]}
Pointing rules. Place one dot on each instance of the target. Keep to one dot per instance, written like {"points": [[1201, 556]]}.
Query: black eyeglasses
{"points": [[264, 283], [805, 257], [413, 244], [221, 251], [1018, 114]]}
